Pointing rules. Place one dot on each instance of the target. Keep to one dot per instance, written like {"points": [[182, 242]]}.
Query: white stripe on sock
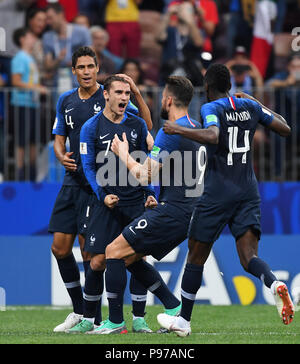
{"points": [[73, 284], [189, 296]]}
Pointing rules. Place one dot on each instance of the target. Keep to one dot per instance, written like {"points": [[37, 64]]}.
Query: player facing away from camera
{"points": [[158, 231], [115, 202], [230, 194], [71, 209]]}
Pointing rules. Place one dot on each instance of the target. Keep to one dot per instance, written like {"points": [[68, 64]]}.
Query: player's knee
{"points": [[198, 252], [111, 252], [98, 262], [60, 252]]}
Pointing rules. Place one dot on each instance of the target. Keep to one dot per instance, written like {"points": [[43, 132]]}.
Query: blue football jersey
{"points": [[105, 172], [229, 165], [182, 161], [71, 113]]}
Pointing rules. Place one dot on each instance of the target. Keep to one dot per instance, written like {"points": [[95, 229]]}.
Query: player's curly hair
{"points": [[82, 52], [217, 77]]}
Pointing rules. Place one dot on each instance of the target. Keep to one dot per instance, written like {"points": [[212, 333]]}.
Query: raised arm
{"points": [[278, 124]]}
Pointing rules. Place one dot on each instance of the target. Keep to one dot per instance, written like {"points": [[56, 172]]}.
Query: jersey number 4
{"points": [[233, 148]]}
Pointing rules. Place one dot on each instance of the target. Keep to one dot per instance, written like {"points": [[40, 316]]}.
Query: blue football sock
{"points": [[261, 270], [93, 289], [190, 284], [150, 278], [115, 282], [69, 272], [138, 297]]}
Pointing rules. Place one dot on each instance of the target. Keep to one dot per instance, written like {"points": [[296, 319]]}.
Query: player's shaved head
{"points": [[217, 78]]}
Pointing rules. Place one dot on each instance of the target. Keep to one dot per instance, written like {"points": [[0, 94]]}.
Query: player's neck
{"points": [[217, 95], [112, 116], [177, 113], [86, 93]]}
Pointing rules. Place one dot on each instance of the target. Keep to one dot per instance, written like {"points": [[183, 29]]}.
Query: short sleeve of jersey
{"points": [[164, 143], [209, 115], [59, 127], [265, 116]]}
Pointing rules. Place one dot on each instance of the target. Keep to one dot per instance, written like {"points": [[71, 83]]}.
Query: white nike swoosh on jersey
{"points": [[66, 111], [131, 229], [101, 137]]}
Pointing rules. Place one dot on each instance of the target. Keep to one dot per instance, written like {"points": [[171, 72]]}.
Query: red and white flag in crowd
{"points": [[263, 37]]}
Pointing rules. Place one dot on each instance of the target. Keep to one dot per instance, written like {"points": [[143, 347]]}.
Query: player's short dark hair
{"points": [[217, 77], [111, 79], [18, 34], [82, 52], [57, 7], [181, 88]]}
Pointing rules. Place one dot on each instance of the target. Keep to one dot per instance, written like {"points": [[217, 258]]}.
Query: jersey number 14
{"points": [[233, 148]]}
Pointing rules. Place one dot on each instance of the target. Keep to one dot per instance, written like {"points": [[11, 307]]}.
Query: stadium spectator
{"points": [[108, 62], [182, 44], [36, 22], [122, 24], [70, 7], [207, 17], [94, 9], [263, 36], [59, 43], [3, 82], [82, 19], [25, 79], [287, 100], [132, 68], [240, 25], [245, 76]]}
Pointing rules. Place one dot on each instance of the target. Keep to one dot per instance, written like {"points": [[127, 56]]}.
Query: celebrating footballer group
{"points": [[107, 199]]}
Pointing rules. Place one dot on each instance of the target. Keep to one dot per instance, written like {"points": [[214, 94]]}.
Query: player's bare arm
{"points": [[278, 125], [144, 173], [203, 136], [62, 155]]}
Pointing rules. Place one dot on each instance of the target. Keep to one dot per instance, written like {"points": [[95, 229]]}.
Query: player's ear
{"points": [[73, 71], [105, 95]]}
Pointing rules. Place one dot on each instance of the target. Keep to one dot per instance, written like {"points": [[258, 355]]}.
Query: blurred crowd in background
{"points": [[148, 40]]}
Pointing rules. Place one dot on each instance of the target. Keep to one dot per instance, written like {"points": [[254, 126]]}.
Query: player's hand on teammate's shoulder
{"points": [[68, 162], [170, 128], [118, 146], [243, 95], [111, 201], [151, 202]]}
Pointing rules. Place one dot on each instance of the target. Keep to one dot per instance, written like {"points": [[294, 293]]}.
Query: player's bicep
{"points": [[278, 126]]}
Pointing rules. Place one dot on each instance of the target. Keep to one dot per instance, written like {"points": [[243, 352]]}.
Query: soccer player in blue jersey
{"points": [[230, 194], [158, 231], [71, 209], [115, 203]]}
